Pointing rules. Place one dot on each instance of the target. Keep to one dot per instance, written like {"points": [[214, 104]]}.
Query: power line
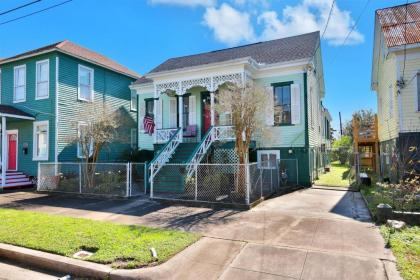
{"points": [[19, 7], [36, 12]]}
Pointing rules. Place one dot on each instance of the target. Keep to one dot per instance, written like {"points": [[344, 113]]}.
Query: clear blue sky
{"points": [[143, 33]]}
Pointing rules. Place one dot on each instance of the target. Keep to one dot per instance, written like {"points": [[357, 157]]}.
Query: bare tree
{"points": [[247, 106], [96, 128]]}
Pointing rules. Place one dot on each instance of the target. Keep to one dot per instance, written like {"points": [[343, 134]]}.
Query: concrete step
{"points": [[19, 184]]}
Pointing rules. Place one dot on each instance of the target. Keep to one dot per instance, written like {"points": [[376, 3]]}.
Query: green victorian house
{"points": [[178, 96], [43, 95]]}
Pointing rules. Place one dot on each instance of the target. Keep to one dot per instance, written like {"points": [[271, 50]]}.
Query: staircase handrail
{"points": [[213, 134], [165, 154]]}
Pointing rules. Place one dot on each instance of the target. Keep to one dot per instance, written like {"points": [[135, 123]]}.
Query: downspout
{"points": [[305, 94]]}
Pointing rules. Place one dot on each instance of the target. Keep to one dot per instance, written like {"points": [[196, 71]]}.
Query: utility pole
{"points": [[341, 125]]}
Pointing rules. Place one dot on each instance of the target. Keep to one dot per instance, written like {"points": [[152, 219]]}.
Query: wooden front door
{"points": [[12, 151]]}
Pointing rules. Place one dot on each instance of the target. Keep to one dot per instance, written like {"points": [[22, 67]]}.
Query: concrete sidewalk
{"points": [[309, 234]]}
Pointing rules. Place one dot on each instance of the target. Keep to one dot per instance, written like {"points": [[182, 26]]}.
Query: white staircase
{"points": [[15, 179]]}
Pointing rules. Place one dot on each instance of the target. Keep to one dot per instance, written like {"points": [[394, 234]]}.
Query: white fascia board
{"points": [[143, 88], [16, 116], [402, 47], [205, 67]]}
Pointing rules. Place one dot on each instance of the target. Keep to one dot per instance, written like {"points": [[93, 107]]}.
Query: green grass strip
{"points": [[405, 245], [121, 246]]}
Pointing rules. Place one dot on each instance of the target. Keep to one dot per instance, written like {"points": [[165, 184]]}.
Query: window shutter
{"points": [[158, 117], [270, 106], [172, 112], [142, 113], [191, 110], [295, 103]]}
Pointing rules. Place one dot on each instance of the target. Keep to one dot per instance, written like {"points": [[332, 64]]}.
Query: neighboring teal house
{"points": [[43, 95], [179, 96]]}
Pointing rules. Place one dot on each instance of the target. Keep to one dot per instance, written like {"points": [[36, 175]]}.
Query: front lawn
{"points": [[337, 177], [118, 245], [405, 245]]}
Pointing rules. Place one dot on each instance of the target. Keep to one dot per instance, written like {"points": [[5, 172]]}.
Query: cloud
{"points": [[189, 3], [229, 25], [310, 15]]}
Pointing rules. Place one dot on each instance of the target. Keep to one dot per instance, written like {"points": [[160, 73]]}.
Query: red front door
{"points": [[12, 139]]}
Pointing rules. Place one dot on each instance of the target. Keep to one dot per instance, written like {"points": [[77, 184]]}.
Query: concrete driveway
{"points": [[308, 234]]}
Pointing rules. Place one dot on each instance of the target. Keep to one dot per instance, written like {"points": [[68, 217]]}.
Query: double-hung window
{"points": [[42, 79], [19, 89], [40, 140], [85, 88], [84, 143], [150, 104], [133, 103], [267, 159], [282, 104]]}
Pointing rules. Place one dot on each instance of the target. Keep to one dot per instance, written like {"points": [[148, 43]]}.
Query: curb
{"points": [[54, 262]]}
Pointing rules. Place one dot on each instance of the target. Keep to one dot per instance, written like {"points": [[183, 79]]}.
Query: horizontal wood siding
{"points": [[110, 88], [291, 135], [409, 98], [43, 110], [145, 141]]}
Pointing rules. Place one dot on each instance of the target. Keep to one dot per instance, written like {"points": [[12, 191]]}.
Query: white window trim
{"points": [[36, 80], [79, 124], [14, 84], [261, 152], [35, 143], [132, 108], [0, 87], [133, 144], [92, 91]]}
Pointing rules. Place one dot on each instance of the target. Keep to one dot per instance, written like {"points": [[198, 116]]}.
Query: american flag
{"points": [[148, 125]]}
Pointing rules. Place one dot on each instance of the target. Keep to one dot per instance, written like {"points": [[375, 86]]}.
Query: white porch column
{"points": [[212, 108], [181, 114], [3, 152]]}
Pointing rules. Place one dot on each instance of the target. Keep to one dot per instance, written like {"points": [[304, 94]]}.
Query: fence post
{"points": [[127, 192], [247, 183], [196, 181], [145, 177], [80, 178]]}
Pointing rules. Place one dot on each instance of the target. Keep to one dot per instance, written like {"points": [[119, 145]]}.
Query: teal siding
{"points": [[42, 109], [110, 89], [145, 141], [291, 135]]}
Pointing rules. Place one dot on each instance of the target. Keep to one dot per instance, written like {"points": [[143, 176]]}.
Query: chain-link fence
{"points": [[214, 183], [109, 179]]}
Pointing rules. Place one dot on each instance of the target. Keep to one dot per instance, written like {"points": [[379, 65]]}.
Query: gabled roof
{"points": [[400, 24], [268, 52], [79, 52]]}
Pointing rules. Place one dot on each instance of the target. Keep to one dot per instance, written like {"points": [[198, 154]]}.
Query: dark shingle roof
{"points": [[78, 51], [268, 52], [10, 110]]}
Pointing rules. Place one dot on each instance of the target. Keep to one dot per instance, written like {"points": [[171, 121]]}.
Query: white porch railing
{"points": [[165, 154], [215, 133], [163, 135]]}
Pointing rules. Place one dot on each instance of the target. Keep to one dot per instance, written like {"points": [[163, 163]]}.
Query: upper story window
{"points": [[40, 142], [149, 103], [42, 79], [282, 104], [19, 86], [85, 87], [133, 104]]}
